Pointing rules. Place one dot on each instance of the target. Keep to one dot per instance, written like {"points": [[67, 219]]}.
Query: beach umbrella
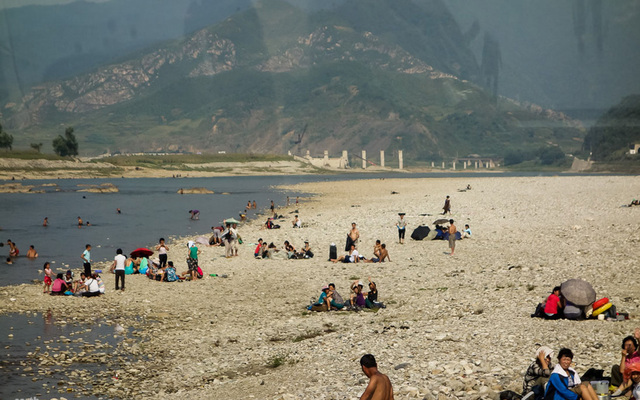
{"points": [[441, 221], [578, 292], [141, 252], [231, 221]]}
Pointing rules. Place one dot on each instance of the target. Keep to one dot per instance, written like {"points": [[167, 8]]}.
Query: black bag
{"points": [[333, 252]]}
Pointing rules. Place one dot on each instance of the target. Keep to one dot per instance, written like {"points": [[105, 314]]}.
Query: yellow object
{"points": [[601, 309]]}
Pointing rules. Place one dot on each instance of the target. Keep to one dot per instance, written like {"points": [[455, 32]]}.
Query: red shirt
{"points": [[551, 307]]}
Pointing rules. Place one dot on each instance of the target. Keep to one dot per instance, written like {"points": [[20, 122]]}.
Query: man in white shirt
{"points": [[91, 286], [118, 266]]}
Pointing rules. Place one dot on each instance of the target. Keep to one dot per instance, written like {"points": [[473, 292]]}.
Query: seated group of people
{"points": [[380, 254], [271, 251], [557, 306], [331, 300], [87, 286], [541, 381]]}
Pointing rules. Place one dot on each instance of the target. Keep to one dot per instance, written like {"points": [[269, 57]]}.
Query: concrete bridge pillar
{"points": [[400, 160], [443, 167], [326, 157], [382, 158], [454, 165], [364, 159]]}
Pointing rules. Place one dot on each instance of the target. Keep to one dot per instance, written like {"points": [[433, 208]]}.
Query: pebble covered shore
{"points": [[455, 327]]}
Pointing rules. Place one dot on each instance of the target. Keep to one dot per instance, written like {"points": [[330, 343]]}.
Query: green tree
{"points": [[36, 146], [6, 140], [67, 145]]}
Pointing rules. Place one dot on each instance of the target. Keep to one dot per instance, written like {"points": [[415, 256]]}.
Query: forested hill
{"points": [[615, 131], [369, 74]]}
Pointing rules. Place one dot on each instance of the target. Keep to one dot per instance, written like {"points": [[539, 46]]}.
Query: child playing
{"points": [[48, 273]]}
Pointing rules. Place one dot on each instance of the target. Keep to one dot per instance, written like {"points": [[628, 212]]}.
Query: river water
{"points": [[151, 208]]}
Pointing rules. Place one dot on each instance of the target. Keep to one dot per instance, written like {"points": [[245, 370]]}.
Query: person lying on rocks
{"points": [[538, 373], [352, 257], [630, 355], [564, 382]]}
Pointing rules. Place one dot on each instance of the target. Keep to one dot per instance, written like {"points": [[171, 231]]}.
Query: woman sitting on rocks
{"points": [[538, 373], [59, 286], [372, 296], [357, 298], [565, 384]]}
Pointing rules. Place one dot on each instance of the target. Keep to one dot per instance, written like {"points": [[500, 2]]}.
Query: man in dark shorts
{"points": [[379, 387], [86, 260]]}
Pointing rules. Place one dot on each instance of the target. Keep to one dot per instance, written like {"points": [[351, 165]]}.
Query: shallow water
{"points": [[151, 208], [39, 334]]}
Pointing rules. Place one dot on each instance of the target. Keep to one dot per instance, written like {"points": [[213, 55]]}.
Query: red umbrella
{"points": [[141, 252]]}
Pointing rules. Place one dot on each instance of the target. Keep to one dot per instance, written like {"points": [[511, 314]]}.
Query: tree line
{"points": [[63, 146]]}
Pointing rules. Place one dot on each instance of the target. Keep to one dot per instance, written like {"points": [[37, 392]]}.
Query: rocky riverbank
{"points": [[455, 327]]}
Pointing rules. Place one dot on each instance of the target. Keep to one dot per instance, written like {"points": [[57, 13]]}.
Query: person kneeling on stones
{"points": [[564, 382], [538, 373]]}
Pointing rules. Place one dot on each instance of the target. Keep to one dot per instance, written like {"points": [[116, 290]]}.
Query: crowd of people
{"points": [[542, 380]]}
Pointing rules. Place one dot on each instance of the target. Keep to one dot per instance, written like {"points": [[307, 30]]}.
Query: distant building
{"points": [[634, 148]]}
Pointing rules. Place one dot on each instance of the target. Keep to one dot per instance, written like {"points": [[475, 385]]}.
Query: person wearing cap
{"points": [[631, 382], [538, 372], [324, 301], [401, 224]]}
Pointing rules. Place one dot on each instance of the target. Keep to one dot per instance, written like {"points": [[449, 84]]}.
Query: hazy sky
{"points": [[20, 3]]}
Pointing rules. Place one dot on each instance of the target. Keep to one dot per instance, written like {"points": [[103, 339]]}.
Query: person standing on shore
{"points": [[447, 206], [162, 249], [80, 223], [452, 236], [402, 227], [379, 387], [352, 237], [118, 266], [192, 260], [273, 209], [86, 259]]}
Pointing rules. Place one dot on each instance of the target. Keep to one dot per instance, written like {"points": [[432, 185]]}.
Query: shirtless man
{"points": [[80, 223], [379, 387], [384, 253], [32, 253], [354, 235]]}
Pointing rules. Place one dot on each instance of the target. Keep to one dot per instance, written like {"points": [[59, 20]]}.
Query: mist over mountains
{"points": [[360, 74]]}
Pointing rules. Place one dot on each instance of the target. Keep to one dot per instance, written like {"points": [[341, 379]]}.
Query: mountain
{"points": [[275, 78], [619, 127]]}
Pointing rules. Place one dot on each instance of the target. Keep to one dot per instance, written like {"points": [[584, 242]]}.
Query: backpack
{"points": [[199, 271]]}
